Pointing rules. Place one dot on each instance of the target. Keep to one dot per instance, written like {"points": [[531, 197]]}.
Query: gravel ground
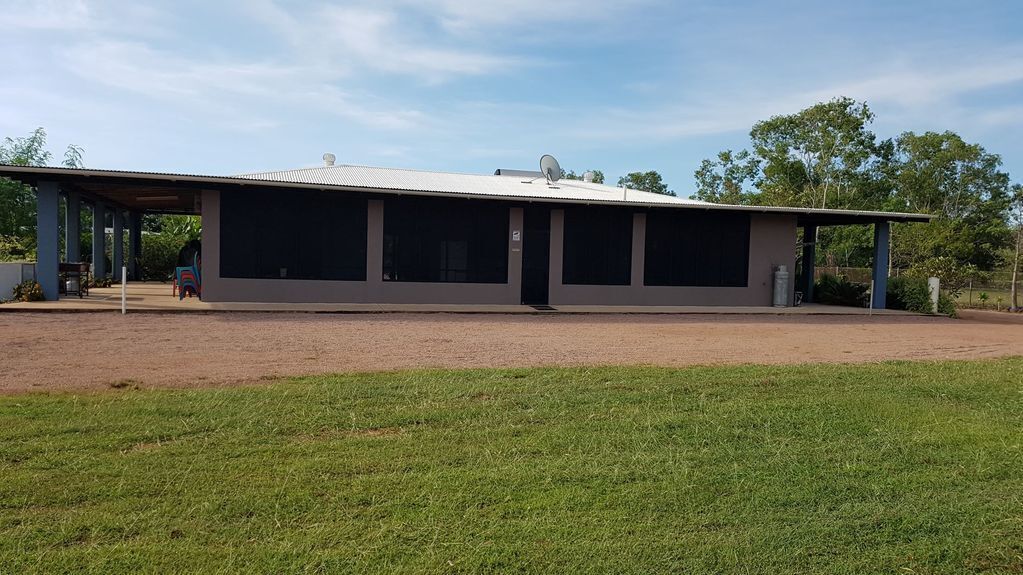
{"points": [[80, 351]]}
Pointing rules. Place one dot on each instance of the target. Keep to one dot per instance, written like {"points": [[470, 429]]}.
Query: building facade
{"points": [[350, 234], [325, 247]]}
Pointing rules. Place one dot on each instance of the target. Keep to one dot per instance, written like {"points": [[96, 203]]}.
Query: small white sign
{"points": [[516, 236]]}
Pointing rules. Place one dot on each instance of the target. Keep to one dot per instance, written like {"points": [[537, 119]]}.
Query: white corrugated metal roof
{"points": [[503, 186], [435, 183]]}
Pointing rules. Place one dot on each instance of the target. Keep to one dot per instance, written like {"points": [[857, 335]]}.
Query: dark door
{"points": [[536, 254]]}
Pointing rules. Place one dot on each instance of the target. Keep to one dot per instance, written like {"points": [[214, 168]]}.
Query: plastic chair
{"points": [[189, 279]]}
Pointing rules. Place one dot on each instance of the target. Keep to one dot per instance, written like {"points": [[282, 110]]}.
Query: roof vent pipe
{"points": [[588, 177], [328, 159]]}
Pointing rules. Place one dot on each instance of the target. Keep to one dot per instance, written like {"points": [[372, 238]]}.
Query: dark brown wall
{"points": [[772, 243]]}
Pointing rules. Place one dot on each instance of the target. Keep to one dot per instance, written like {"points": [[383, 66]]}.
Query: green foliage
{"points": [[912, 294], [185, 227], [14, 249], [598, 176], [27, 151], [18, 201], [837, 290], [879, 468], [647, 181], [28, 290], [909, 293], [826, 157], [160, 255], [946, 305], [954, 276], [942, 174], [728, 179], [101, 282], [1015, 254], [813, 158], [845, 246], [960, 183], [163, 237]]}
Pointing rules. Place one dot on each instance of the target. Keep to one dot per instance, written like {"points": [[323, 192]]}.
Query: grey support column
{"points": [[212, 290], [73, 227], [882, 233], [809, 261], [134, 245], [47, 232], [118, 247], [99, 240]]}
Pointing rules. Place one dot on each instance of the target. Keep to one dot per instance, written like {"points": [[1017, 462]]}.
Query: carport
{"points": [[810, 222], [120, 198]]}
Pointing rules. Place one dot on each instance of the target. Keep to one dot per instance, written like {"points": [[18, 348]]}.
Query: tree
{"points": [[18, 201], [812, 158], [647, 181], [598, 176], [826, 157], [963, 186], [1016, 218], [725, 181]]}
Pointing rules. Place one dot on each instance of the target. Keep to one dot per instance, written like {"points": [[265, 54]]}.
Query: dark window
{"points": [[696, 248], [292, 235], [598, 246], [437, 240]]}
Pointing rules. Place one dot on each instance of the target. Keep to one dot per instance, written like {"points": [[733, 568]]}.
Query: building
{"points": [[355, 234]]}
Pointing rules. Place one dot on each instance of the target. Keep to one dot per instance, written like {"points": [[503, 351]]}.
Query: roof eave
{"points": [[34, 174]]}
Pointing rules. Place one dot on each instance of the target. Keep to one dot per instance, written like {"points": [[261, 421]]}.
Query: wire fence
{"points": [[855, 275], [988, 293], [991, 290]]}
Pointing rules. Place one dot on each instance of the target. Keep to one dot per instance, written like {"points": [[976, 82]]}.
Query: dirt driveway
{"points": [[61, 351]]}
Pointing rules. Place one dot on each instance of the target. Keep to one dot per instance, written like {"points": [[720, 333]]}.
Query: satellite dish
{"points": [[550, 168]]}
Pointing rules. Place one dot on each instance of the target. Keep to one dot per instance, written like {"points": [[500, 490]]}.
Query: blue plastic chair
{"points": [[189, 278]]}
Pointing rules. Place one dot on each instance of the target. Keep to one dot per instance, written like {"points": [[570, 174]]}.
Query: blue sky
{"points": [[473, 85]]}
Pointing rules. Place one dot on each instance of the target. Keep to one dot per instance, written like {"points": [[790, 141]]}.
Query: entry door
{"points": [[536, 255]]}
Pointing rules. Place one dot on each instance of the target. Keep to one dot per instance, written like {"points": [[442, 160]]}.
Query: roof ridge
{"points": [[368, 168]]}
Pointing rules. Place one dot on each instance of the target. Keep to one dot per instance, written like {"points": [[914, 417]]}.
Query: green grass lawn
{"points": [[894, 468], [966, 299]]}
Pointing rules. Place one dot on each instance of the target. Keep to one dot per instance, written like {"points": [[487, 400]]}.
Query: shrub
{"points": [[160, 255], [912, 294], [28, 290], [835, 290], [103, 282], [954, 275], [13, 249], [946, 305], [909, 293]]}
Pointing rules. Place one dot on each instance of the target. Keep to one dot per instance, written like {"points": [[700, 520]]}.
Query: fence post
{"points": [[124, 288]]}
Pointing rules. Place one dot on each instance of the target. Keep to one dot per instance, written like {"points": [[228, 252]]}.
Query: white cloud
{"points": [[374, 39], [236, 94], [929, 90], [45, 15], [1000, 117], [474, 15], [913, 86], [326, 54]]}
